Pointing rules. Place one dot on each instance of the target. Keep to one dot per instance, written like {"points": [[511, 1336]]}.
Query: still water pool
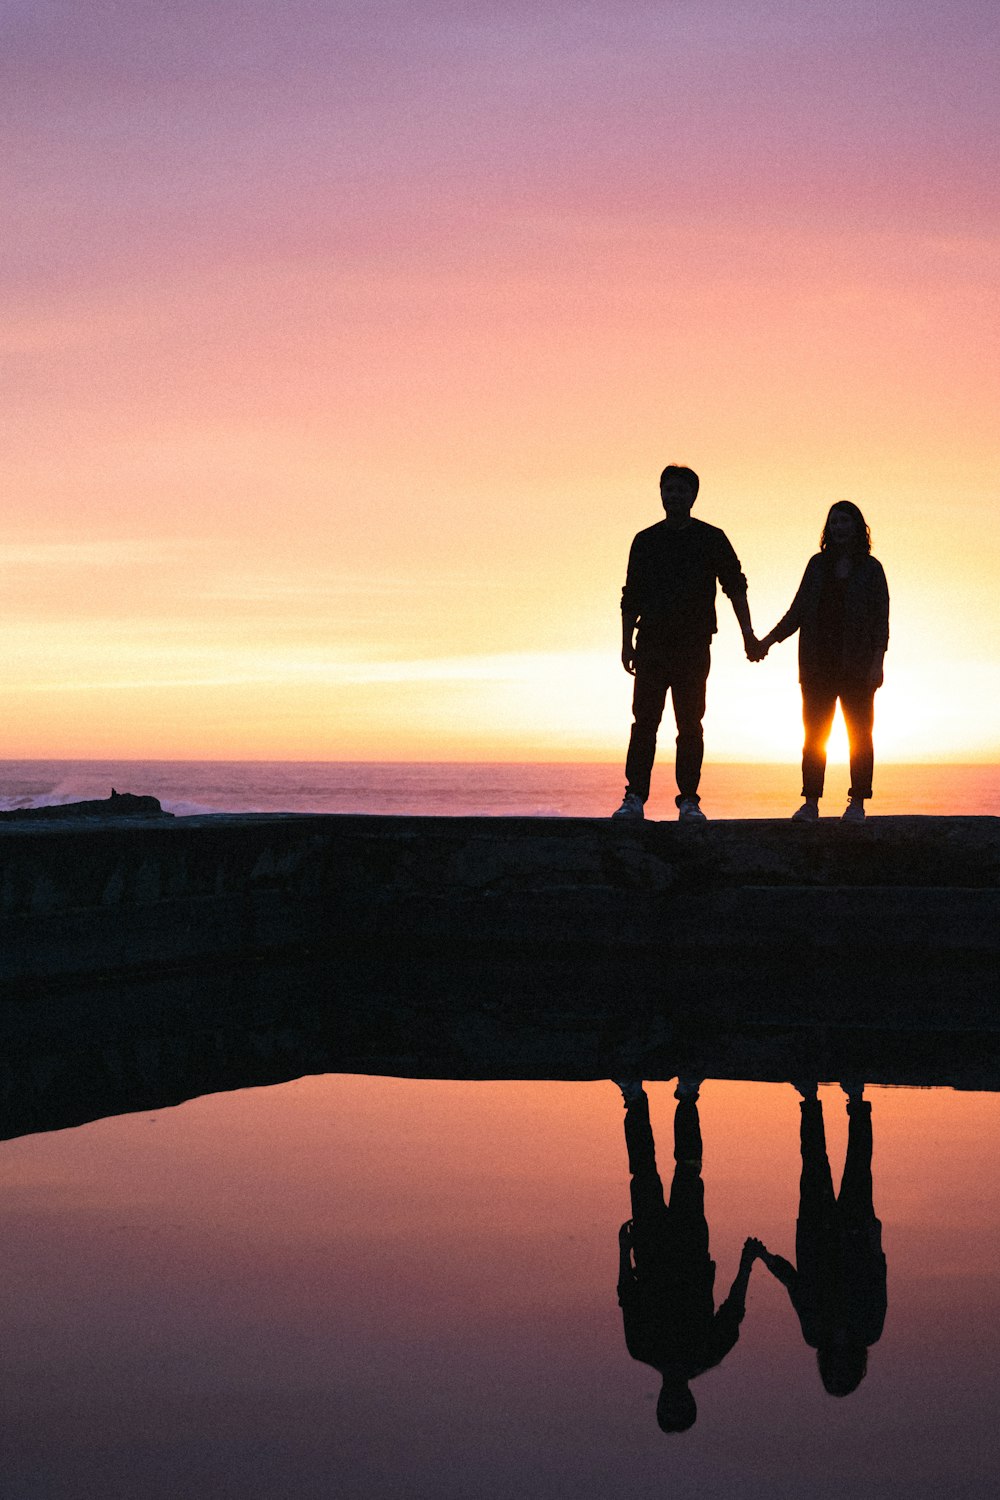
{"points": [[355, 1286]]}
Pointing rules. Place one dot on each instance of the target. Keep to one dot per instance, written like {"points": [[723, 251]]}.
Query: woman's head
{"points": [[846, 530]]}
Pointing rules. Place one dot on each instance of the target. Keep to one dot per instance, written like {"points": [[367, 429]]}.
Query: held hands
{"points": [[756, 650]]}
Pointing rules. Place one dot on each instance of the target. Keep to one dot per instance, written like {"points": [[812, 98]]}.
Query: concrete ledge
{"points": [[144, 960], [776, 922]]}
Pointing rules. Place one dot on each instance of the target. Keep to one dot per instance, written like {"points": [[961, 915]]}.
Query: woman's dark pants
{"points": [[819, 701]]}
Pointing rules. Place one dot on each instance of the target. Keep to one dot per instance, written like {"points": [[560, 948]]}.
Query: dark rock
{"points": [[118, 805]]}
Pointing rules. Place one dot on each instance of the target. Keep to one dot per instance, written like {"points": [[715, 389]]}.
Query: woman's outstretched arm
{"points": [[779, 1267], [792, 619]]}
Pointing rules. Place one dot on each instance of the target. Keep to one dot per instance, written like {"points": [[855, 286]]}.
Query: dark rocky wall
{"points": [[760, 914], [144, 961]]}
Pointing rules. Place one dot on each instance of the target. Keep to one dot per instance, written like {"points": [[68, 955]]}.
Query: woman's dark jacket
{"points": [[866, 619]]}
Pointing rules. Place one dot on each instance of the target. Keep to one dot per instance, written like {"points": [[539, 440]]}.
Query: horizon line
{"points": [[616, 762]]}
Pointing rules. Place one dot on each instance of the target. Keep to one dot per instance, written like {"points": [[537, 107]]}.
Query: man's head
{"points": [[676, 1408], [842, 1366], [678, 492]]}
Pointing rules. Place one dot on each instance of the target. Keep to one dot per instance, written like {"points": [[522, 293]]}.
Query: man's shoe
{"points": [[631, 807], [807, 813], [854, 812], [688, 811]]}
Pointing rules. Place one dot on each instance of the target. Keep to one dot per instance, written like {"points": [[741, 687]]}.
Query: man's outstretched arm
{"points": [[741, 609], [734, 585], [726, 1323], [736, 1303]]}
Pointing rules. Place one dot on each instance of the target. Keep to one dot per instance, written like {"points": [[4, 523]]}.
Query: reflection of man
{"points": [[838, 1287], [669, 594], [666, 1277]]}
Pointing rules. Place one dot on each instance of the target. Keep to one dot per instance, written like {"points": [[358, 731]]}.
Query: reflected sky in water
{"points": [[376, 1287]]}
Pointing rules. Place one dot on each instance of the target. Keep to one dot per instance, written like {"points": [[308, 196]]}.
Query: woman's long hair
{"points": [[861, 542]]}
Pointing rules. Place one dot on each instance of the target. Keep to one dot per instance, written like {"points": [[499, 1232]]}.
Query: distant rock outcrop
{"points": [[118, 805]]}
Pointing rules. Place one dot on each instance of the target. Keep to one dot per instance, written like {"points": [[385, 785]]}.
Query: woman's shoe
{"points": [[807, 813]]}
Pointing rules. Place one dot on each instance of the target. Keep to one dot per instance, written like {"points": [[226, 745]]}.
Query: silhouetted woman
{"points": [[838, 1285], [841, 612]]}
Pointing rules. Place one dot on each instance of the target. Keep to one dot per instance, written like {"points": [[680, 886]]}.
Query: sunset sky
{"points": [[344, 344]]}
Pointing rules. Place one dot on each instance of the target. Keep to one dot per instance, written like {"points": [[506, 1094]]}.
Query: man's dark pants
{"points": [[673, 1234], [683, 670], [819, 703]]}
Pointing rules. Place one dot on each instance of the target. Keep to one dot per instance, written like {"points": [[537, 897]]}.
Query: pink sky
{"points": [[344, 344]]}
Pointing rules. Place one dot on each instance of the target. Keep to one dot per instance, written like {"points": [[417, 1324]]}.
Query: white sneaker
{"points": [[807, 813], [631, 807], [854, 812], [689, 812]]}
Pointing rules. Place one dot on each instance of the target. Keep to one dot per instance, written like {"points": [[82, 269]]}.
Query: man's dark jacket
{"points": [[670, 1318], [670, 584]]}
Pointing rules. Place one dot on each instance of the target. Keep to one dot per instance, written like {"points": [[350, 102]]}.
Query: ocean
{"points": [[555, 790]]}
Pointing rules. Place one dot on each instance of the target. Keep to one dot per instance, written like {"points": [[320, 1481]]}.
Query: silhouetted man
{"points": [[666, 1277], [838, 1287], [669, 595]]}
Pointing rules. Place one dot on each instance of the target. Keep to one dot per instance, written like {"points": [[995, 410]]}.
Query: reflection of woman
{"points": [[838, 1285], [841, 612]]}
